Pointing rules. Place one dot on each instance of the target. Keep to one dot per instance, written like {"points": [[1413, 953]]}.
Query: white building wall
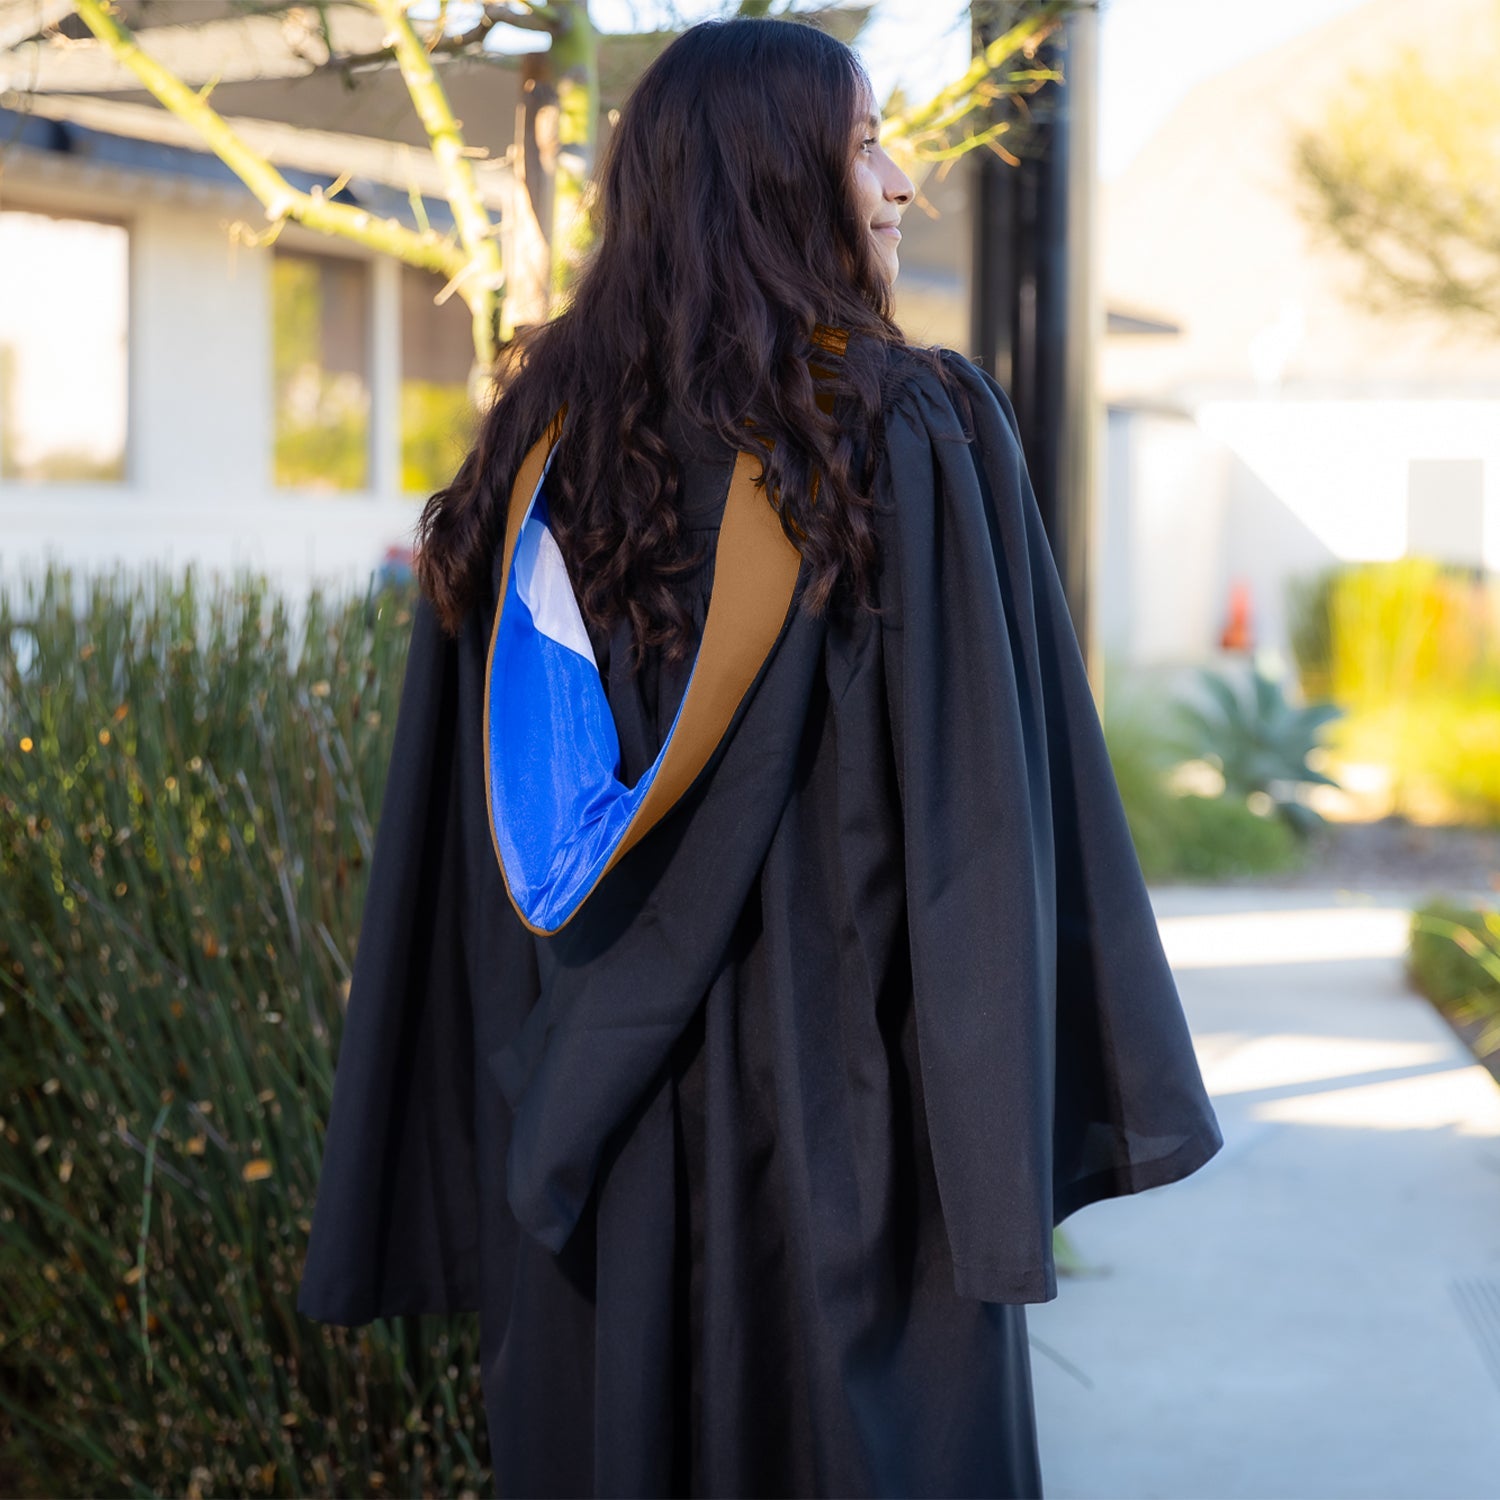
{"points": [[1175, 595], [200, 432], [1270, 489], [200, 369], [1112, 558]]}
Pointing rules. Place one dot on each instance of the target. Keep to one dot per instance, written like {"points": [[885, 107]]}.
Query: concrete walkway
{"points": [[1317, 1311]]}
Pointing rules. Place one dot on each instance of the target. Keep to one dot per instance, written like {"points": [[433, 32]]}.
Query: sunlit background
{"points": [[1282, 551]]}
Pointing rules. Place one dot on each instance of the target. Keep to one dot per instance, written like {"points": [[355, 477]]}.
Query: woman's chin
{"points": [[887, 263]]}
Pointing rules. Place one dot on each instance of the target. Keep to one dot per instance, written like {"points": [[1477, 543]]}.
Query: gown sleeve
{"points": [[396, 1225], [1055, 1055]]}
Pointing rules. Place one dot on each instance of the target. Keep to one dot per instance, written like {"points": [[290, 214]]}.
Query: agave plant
{"points": [[1259, 741]]}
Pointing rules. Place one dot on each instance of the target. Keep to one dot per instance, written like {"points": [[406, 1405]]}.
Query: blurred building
{"points": [[1262, 422], [169, 391], [173, 391]]}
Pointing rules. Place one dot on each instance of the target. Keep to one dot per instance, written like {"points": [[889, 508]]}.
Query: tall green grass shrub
{"points": [[1411, 649], [1411, 628], [188, 790]]}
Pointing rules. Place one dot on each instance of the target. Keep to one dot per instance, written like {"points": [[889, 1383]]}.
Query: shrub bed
{"points": [[1454, 959], [188, 793]]}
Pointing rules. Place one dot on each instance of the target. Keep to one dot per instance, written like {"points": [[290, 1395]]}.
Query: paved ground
{"points": [[1316, 1312]]}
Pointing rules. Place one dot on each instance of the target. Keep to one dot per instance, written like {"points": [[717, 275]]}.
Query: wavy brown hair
{"points": [[726, 245]]}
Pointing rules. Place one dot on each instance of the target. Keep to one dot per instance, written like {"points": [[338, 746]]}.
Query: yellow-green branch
{"points": [[976, 85], [485, 280], [575, 62], [430, 251]]}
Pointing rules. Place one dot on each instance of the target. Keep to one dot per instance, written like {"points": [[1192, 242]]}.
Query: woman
{"points": [[743, 1111]]}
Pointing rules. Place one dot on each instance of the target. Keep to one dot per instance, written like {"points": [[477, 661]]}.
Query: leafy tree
{"points": [[1404, 174]]}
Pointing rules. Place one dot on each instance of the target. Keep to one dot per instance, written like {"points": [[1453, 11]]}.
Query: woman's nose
{"points": [[899, 188]]}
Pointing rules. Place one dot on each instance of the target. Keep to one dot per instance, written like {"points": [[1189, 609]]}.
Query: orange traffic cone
{"points": [[1238, 634]]}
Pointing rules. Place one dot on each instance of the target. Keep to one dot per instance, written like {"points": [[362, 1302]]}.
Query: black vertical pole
{"points": [[1034, 313]]}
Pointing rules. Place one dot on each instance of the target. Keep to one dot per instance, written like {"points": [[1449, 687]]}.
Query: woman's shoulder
{"points": [[943, 393]]}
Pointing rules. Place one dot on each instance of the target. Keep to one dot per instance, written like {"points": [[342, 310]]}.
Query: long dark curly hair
{"points": [[726, 245]]}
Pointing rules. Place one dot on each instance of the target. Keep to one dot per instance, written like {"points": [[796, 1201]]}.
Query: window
{"points": [[321, 368], [64, 298], [438, 425]]}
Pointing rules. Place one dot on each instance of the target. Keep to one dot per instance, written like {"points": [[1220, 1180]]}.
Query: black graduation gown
{"points": [[751, 1168]]}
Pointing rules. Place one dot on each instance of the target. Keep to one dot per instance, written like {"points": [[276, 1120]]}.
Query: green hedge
{"points": [[1454, 959], [1185, 837], [188, 793]]}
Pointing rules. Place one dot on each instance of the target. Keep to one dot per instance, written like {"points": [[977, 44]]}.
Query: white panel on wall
{"points": [[1113, 583], [1445, 509], [1179, 488]]}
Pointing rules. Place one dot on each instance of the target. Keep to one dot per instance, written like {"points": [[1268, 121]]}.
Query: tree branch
{"points": [[281, 200], [1401, 175], [924, 129], [486, 276], [523, 18], [575, 63]]}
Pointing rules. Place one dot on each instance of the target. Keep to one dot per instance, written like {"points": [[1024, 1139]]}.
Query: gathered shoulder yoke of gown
{"points": [[750, 1167]]}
